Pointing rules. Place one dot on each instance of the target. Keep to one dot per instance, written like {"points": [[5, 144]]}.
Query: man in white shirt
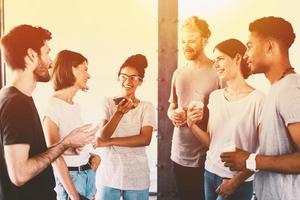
{"points": [[278, 159]]}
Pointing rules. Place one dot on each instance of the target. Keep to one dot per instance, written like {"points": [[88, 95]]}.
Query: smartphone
{"points": [[117, 100]]}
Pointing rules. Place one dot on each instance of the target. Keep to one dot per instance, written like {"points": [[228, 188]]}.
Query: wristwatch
{"points": [[251, 163]]}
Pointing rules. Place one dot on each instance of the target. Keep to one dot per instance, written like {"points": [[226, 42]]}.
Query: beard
{"points": [[41, 72], [258, 68]]}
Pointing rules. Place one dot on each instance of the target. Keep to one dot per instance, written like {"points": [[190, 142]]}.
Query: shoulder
{"points": [[258, 94], [147, 104], [289, 88], [216, 93]]}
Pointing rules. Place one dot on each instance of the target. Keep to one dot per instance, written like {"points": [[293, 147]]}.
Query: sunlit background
{"points": [[107, 32]]}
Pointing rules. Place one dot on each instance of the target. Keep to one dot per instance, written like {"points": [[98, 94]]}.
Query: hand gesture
{"points": [[31, 60], [81, 136], [178, 117], [194, 115], [101, 143], [72, 151], [226, 188], [95, 161], [124, 106], [236, 161]]}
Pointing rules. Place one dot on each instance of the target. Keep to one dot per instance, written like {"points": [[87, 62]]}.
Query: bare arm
{"points": [[21, 168], [193, 116], [143, 139], [201, 135], [289, 163], [229, 186], [109, 127], [177, 119], [51, 131]]}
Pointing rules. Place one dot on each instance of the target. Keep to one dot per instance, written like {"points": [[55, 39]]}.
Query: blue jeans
{"points": [[212, 182], [84, 182], [108, 193]]}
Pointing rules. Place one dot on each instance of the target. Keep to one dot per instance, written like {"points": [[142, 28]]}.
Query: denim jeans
{"points": [[84, 182], [212, 182], [189, 182], [108, 193]]}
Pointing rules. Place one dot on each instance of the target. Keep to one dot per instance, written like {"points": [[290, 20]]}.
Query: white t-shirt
{"points": [[281, 108], [232, 124], [67, 117], [126, 168]]}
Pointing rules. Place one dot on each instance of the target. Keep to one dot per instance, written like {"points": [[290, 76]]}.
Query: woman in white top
{"points": [[234, 114], [127, 129], [75, 175]]}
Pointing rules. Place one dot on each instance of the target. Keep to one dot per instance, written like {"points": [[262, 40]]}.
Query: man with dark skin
{"points": [[277, 163]]}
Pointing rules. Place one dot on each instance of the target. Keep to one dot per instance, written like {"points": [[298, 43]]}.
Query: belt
{"points": [[80, 168]]}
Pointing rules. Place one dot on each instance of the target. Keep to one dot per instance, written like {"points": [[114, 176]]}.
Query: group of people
{"points": [[29, 147], [229, 140], [237, 132]]}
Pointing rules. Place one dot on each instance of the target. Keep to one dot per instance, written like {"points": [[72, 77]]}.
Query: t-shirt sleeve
{"points": [[289, 104], [210, 101], [50, 112], [104, 109], [173, 95], [149, 116], [259, 109], [17, 122]]}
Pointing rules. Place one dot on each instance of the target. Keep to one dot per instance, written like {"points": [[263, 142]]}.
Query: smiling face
{"points": [[81, 76], [192, 43], [256, 54], [129, 79], [41, 71], [227, 68]]}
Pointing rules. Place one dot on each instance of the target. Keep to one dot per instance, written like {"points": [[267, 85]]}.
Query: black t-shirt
{"points": [[20, 124]]}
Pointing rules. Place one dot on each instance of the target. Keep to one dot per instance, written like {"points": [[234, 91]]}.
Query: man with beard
{"points": [[191, 83], [25, 171], [278, 161]]}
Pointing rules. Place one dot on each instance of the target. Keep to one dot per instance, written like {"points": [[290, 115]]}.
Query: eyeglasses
{"points": [[134, 78]]}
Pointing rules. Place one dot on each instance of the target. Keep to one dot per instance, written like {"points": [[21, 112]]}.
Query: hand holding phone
{"points": [[117, 100], [123, 104]]}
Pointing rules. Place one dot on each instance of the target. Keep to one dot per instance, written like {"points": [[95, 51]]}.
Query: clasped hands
{"points": [[187, 116]]}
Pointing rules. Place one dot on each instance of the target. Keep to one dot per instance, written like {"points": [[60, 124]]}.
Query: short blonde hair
{"points": [[199, 24]]}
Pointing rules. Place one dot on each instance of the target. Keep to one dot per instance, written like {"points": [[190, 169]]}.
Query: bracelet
{"points": [[251, 162]]}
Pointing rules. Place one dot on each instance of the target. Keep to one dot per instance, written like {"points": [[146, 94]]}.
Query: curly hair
{"points": [[198, 23]]}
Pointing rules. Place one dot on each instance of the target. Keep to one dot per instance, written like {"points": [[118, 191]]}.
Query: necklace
{"points": [[287, 71]]}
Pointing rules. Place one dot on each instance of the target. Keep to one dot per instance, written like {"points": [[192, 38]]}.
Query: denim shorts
{"points": [[108, 193], [84, 182]]}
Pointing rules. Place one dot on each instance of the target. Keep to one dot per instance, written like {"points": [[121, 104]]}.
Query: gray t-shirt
{"points": [[282, 107], [189, 84]]}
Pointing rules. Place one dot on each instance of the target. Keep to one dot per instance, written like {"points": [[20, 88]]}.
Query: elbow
{"points": [[147, 142], [18, 180], [104, 139]]}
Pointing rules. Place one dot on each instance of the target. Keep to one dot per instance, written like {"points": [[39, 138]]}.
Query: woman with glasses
{"points": [[127, 127]]}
